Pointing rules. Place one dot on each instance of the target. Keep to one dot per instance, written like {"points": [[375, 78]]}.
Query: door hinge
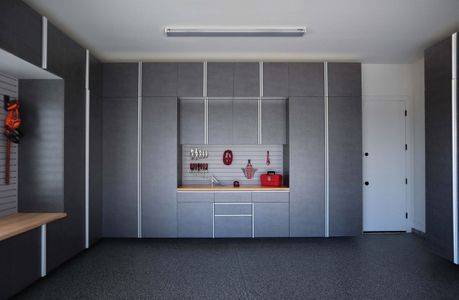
{"points": [[406, 180], [406, 215], [406, 147], [406, 113]]}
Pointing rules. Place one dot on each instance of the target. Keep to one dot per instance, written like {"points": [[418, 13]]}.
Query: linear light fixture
{"points": [[235, 31]]}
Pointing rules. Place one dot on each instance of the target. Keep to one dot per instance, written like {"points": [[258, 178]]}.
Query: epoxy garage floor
{"points": [[369, 267]]}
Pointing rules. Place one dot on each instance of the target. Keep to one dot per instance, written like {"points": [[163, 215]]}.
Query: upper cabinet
{"points": [[306, 79], [191, 121], [246, 80], [190, 80], [21, 31], [220, 79], [233, 79], [159, 79], [120, 80], [275, 79], [344, 79], [274, 121]]}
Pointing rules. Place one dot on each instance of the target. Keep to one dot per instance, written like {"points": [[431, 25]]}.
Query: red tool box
{"points": [[271, 179]]}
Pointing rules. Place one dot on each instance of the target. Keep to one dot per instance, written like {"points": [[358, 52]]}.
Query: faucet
{"points": [[214, 181]]}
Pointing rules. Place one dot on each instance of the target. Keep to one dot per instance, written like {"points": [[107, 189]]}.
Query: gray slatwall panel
{"points": [[8, 193], [227, 174]]}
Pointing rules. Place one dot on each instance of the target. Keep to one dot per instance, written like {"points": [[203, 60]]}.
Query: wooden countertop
{"points": [[16, 224], [244, 188]]}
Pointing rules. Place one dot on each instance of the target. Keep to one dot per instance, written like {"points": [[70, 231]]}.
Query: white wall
{"points": [[389, 82]]}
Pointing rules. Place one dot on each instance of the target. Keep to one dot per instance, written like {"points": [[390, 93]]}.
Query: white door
{"points": [[384, 200]]}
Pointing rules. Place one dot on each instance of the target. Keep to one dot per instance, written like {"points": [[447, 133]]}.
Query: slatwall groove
{"points": [[227, 174], [8, 193]]}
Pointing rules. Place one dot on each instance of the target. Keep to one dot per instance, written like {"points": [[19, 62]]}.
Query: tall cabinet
{"points": [[441, 118], [345, 149], [159, 148]]}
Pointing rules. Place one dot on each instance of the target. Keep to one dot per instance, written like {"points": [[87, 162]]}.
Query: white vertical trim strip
{"points": [[327, 179], [139, 152], [43, 250], [44, 43], [86, 158], [206, 103], [213, 220], [253, 220], [454, 151], [260, 104]]}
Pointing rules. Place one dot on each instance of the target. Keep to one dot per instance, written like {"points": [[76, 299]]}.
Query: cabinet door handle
{"points": [[367, 183]]}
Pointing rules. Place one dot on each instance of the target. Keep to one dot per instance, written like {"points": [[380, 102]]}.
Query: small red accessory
{"points": [[271, 180], [228, 157], [11, 130]]}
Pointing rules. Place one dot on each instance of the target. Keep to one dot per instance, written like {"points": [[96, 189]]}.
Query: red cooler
{"points": [[271, 180]]}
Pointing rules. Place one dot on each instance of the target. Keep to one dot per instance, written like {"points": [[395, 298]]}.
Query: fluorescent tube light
{"points": [[236, 31]]}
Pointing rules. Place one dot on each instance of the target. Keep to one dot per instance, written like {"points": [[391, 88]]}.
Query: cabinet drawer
{"points": [[233, 197], [195, 197], [233, 209], [233, 227], [267, 197]]}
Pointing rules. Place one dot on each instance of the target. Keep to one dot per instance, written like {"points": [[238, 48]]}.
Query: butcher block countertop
{"points": [[16, 224], [244, 188]]}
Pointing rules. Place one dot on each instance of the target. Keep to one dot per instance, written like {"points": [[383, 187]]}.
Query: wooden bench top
{"points": [[16, 224]]}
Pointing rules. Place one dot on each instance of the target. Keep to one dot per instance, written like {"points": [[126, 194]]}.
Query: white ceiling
{"points": [[372, 31]]}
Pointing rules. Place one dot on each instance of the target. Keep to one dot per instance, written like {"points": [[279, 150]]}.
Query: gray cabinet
{"points": [[220, 79], [159, 79], [195, 214], [233, 226], [307, 166], [271, 219], [220, 128], [439, 147], [191, 121], [120, 80], [190, 80], [345, 166], [344, 80], [275, 80], [120, 167], [246, 80], [21, 31], [159, 166], [274, 121], [306, 79], [245, 122]]}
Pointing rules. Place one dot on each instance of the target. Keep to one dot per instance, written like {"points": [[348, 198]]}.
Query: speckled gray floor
{"points": [[368, 267]]}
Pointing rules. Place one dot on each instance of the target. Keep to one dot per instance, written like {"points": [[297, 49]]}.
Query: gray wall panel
{"points": [[159, 79], [307, 166], [120, 167], [345, 166], [159, 167]]}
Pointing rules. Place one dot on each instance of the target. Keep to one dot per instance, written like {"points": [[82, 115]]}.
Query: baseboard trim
{"points": [[418, 233]]}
